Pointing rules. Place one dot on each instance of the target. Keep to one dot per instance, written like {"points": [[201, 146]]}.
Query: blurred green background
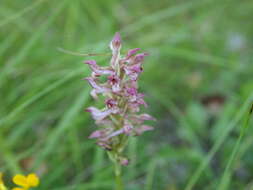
{"points": [[197, 81]]}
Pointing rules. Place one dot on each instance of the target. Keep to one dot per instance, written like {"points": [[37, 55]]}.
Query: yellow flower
{"points": [[25, 182], [2, 186]]}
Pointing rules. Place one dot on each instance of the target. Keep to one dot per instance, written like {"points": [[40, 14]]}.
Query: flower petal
{"points": [[132, 91], [139, 57], [131, 52], [33, 180], [96, 134], [135, 102], [129, 55], [91, 62], [142, 129], [99, 70], [100, 115], [115, 133], [133, 71], [139, 119], [96, 88], [2, 186], [104, 145], [18, 188], [146, 116], [93, 93], [128, 127], [20, 180], [105, 122], [94, 85]]}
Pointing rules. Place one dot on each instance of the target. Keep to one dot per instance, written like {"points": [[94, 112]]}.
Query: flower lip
{"points": [[133, 71], [136, 68], [131, 91], [127, 128], [140, 101], [111, 103], [113, 79]]}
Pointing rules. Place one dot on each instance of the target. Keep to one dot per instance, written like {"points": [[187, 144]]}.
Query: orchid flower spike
{"points": [[119, 118]]}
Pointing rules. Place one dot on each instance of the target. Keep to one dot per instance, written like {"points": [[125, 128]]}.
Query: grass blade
{"points": [[196, 175], [62, 126], [20, 13], [227, 173], [36, 97]]}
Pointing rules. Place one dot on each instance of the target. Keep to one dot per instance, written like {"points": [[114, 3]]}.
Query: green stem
{"points": [[118, 179], [117, 171]]}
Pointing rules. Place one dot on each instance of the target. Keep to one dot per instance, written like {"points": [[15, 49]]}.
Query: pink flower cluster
{"points": [[120, 117]]}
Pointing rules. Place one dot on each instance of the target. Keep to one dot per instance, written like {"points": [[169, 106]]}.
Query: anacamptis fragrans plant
{"points": [[120, 117]]}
